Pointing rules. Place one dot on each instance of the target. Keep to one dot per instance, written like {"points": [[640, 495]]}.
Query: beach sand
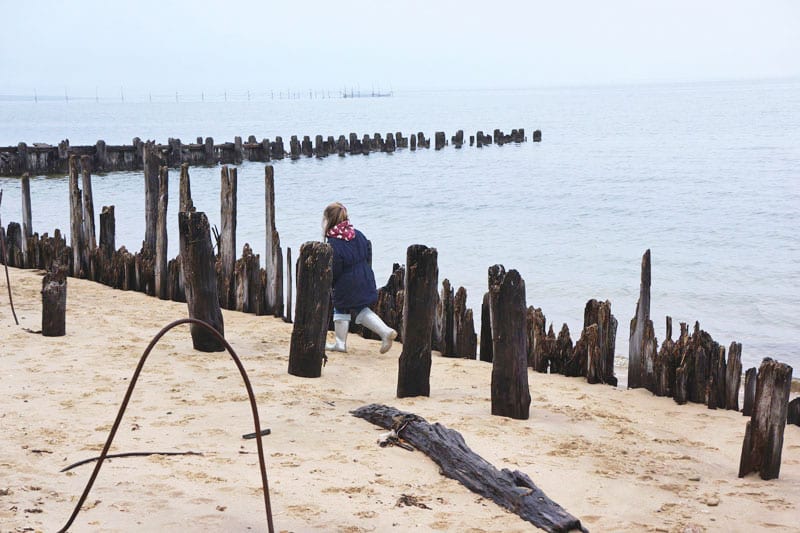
{"points": [[620, 460]]}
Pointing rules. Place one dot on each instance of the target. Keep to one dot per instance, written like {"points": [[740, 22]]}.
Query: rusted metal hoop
{"points": [[124, 405]]}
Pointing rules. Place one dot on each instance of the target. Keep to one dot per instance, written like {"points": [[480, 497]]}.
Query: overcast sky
{"points": [[167, 46]]}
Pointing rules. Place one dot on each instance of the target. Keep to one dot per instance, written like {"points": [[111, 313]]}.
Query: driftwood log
{"points": [[763, 437], [421, 280], [514, 491], [314, 279], [197, 261], [510, 394], [54, 303]]}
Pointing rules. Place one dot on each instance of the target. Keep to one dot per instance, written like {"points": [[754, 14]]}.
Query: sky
{"points": [[86, 47]]}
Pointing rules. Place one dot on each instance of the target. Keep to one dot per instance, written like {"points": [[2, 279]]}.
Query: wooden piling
{"points": [[27, 224], [447, 320], [247, 276], [314, 277], [750, 377], [793, 412], [636, 364], [273, 241], [185, 201], [421, 279], [535, 330], [76, 220], [227, 244], [763, 438], [465, 340], [486, 330], [107, 231], [440, 140], [510, 394], [537, 136], [54, 302], [202, 298], [733, 376], [161, 272], [288, 315], [89, 234], [152, 163]]}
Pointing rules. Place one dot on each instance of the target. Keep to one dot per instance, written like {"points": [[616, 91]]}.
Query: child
{"points": [[353, 280]]}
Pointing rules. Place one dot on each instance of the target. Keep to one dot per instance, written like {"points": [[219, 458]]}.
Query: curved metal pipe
{"points": [[127, 398]]}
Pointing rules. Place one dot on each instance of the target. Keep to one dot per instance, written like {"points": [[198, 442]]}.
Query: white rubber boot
{"points": [[367, 318], [341, 325]]}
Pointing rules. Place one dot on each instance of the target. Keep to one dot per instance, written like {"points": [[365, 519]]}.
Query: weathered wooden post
{"points": [[89, 234], [793, 412], [637, 370], [152, 163], [27, 227], [227, 245], [288, 316], [185, 201], [273, 241], [763, 437], [314, 277], [733, 376], [209, 151], [486, 330], [440, 140], [447, 320], [600, 368], [750, 377], [510, 394], [465, 341], [197, 261], [76, 220], [160, 268], [421, 279], [54, 302], [107, 231], [413, 140], [248, 282], [537, 136]]}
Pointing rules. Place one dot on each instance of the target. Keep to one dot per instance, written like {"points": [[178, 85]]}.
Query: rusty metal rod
{"points": [[115, 427], [5, 264]]}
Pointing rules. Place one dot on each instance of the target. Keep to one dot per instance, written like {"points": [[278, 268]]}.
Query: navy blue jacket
{"points": [[353, 279]]}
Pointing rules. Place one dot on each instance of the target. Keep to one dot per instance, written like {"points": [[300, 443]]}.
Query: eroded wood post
{"points": [[448, 327], [273, 241], [750, 378], [763, 438], [160, 268], [636, 363], [76, 219], [486, 329], [465, 340], [227, 245], [197, 261], [314, 277], [88, 205], [185, 202], [510, 394], [54, 302], [288, 316], [421, 280], [733, 376], [152, 162], [27, 225]]}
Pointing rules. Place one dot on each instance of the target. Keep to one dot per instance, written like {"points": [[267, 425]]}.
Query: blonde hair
{"points": [[334, 214]]}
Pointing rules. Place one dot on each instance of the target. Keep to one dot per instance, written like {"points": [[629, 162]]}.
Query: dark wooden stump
{"points": [[733, 376], [314, 278], [514, 491], [421, 280], [89, 234], [185, 201], [486, 329], [636, 347], [247, 276], [161, 273], [510, 395], [389, 306], [537, 136], [108, 228], [750, 378], [288, 315], [197, 260], [763, 438], [152, 163], [465, 341], [537, 358], [273, 242], [27, 224], [447, 320], [563, 351], [227, 237], [54, 303], [793, 412], [78, 269]]}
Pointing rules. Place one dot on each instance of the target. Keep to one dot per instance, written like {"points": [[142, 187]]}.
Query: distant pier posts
{"points": [[763, 438], [54, 302], [227, 244], [314, 278], [160, 267], [510, 394], [440, 140], [537, 136], [202, 298], [421, 279]]}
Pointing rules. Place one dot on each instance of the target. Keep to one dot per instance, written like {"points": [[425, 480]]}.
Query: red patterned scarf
{"points": [[343, 230]]}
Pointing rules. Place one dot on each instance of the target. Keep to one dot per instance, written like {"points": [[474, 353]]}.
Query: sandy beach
{"points": [[620, 460]]}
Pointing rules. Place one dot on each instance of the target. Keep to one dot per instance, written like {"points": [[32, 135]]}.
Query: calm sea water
{"points": [[707, 176]]}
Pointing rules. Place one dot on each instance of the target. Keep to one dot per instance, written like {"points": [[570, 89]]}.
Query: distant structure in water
{"points": [[373, 94]]}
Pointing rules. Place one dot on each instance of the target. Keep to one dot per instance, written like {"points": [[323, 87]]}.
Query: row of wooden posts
{"points": [[692, 369], [47, 159]]}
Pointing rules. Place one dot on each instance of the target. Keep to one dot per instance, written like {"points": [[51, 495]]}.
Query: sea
{"points": [[704, 175]]}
